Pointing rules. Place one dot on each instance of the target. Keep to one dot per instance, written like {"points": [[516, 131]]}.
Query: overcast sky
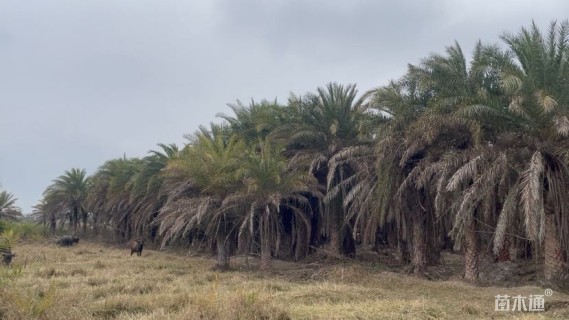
{"points": [[82, 82]]}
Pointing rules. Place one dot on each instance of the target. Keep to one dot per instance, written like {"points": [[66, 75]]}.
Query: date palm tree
{"points": [[271, 187], [68, 192], [147, 194], [392, 191], [458, 88], [524, 158], [109, 198], [200, 181], [536, 85], [321, 125], [8, 208]]}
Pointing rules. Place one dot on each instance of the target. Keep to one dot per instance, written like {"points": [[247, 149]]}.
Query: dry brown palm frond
{"points": [[561, 124], [484, 184], [299, 159], [449, 164], [341, 188], [412, 150], [511, 83], [545, 101], [516, 107], [317, 162], [362, 184], [410, 181], [176, 219], [505, 218], [428, 174], [465, 173], [531, 195]]}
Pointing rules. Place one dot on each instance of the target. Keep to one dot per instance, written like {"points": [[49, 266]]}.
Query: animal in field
{"points": [[137, 246], [7, 255], [67, 241]]}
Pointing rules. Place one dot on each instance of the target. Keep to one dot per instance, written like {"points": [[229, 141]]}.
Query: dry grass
{"points": [[90, 281]]}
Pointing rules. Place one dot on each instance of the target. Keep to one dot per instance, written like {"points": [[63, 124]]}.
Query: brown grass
{"points": [[90, 281]]}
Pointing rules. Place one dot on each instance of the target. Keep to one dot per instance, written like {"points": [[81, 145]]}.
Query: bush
{"points": [[22, 230]]}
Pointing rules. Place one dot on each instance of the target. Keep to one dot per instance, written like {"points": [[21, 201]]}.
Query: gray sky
{"points": [[82, 82]]}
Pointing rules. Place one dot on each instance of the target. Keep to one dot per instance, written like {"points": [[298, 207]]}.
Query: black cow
{"points": [[7, 255], [137, 247], [67, 241]]}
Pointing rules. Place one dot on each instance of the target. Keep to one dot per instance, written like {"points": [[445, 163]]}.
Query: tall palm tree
{"points": [[459, 88], [392, 190], [524, 159], [8, 208], [536, 85], [322, 124]]}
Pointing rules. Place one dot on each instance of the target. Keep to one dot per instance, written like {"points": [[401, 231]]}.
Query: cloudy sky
{"points": [[82, 82]]}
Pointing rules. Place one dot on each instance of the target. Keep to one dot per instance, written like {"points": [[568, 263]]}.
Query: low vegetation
{"points": [[91, 281]]}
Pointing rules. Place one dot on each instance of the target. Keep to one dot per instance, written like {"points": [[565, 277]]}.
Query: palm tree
{"points": [[200, 182], [524, 158], [391, 191], [536, 84], [69, 191], [147, 194], [8, 208], [48, 211], [110, 195], [255, 121], [321, 125], [458, 89], [271, 187]]}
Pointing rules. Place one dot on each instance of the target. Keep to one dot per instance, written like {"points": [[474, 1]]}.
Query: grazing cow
{"points": [[7, 255], [137, 247], [67, 241]]}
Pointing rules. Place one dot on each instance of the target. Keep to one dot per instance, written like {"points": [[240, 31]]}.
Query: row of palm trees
{"points": [[458, 151]]}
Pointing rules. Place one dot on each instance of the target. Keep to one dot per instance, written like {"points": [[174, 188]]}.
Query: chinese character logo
{"points": [[535, 302]]}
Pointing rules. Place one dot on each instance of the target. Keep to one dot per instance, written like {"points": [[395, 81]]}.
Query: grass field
{"points": [[91, 281]]}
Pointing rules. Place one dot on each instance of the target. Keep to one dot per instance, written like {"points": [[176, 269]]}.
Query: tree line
{"points": [[460, 152]]}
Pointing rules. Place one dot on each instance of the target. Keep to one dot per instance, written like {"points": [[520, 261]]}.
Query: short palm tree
{"points": [[147, 194], [110, 195], [200, 182], [8, 208], [69, 191], [272, 186]]}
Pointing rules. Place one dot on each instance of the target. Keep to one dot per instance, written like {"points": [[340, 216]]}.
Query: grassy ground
{"points": [[91, 281]]}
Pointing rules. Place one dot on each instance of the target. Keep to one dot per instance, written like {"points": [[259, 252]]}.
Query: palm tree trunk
{"points": [[336, 227], [75, 218], [84, 221], [471, 251], [554, 267], [52, 223], [504, 254], [265, 241], [433, 238], [222, 251], [419, 248], [95, 223], [302, 237]]}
